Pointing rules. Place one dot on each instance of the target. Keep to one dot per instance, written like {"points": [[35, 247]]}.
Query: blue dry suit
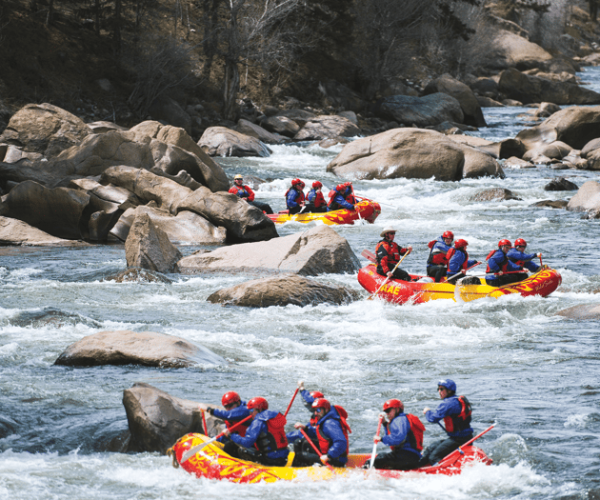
{"points": [[514, 256], [291, 197], [496, 263], [456, 262], [331, 428], [341, 199], [449, 406], [258, 428], [398, 436], [232, 416], [438, 248], [308, 399], [296, 434]]}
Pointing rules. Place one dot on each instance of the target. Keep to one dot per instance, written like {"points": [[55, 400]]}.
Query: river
{"points": [[532, 373]]}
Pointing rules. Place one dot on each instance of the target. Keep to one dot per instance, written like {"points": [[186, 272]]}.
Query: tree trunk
{"points": [[231, 87], [210, 18], [97, 19], [50, 15], [117, 28]]}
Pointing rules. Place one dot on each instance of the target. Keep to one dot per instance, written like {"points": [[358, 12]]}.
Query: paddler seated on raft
{"points": [[455, 411], [519, 259], [403, 433], [331, 431], [437, 264], [388, 255], [459, 262], [294, 197], [246, 194], [342, 197], [265, 440], [315, 201], [235, 410]]}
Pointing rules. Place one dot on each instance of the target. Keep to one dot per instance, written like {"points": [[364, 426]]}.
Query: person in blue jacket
{"points": [[437, 264], [294, 197], [518, 259], [331, 432], [265, 441], [343, 197], [235, 411], [498, 264], [403, 433], [455, 411], [459, 262]]}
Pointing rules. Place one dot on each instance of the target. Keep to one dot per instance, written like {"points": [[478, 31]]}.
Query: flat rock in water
{"points": [[560, 184], [136, 348], [319, 250], [281, 291], [17, 232], [135, 274], [157, 419], [514, 162], [495, 194], [551, 203], [583, 312]]}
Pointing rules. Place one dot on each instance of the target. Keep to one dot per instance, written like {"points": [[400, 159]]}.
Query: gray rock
{"points": [[281, 125], [248, 128], [167, 109], [17, 232], [137, 275], [425, 111], [495, 194], [222, 141], [149, 247], [514, 162], [551, 203], [102, 126], [560, 184], [326, 127], [582, 312], [586, 199], [282, 291]]}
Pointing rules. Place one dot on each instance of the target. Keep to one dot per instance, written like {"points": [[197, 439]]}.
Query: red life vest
{"points": [[325, 442], [438, 257], [465, 264], [457, 423], [240, 429], [275, 438], [503, 267], [388, 255], [415, 433]]}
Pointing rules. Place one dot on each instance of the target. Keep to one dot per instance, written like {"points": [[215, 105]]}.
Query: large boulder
{"points": [[429, 110], [282, 291], [529, 89], [560, 184], [510, 49], [319, 250], [587, 198], [149, 247], [463, 94], [222, 141], [248, 128], [281, 125], [60, 212], [157, 419], [575, 126], [411, 153], [557, 150], [185, 228], [582, 312], [168, 110], [16, 232], [45, 129], [326, 127], [125, 347]]}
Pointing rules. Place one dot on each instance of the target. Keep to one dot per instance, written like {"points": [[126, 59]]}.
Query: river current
{"points": [[532, 373]]}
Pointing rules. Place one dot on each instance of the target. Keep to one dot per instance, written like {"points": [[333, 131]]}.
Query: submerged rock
{"points": [[135, 274], [582, 312], [551, 204], [495, 194], [281, 291], [560, 184]]}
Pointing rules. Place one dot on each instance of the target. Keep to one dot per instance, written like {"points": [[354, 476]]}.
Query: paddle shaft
{"points": [[204, 423], [291, 401], [192, 451], [459, 450], [389, 277], [317, 451], [374, 452], [465, 271]]}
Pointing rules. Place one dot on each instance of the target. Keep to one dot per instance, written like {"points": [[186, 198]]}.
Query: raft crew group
{"points": [[262, 439], [314, 201], [449, 263]]}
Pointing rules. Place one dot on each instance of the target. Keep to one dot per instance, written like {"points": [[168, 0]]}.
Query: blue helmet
{"points": [[448, 384]]}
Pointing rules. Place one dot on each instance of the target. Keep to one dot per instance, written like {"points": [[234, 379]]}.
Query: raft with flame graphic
{"points": [[364, 210], [542, 283]]}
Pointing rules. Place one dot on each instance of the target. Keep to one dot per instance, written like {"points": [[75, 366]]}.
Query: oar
{"points": [[367, 254], [291, 401], [374, 452], [541, 263], [192, 451], [459, 450], [317, 451], [204, 423], [468, 269], [388, 278], [355, 203]]}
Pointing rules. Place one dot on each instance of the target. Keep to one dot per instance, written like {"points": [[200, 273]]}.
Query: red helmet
{"points": [[230, 397], [520, 242], [297, 182], [460, 243], [322, 403], [317, 394], [503, 242], [259, 404], [317, 184], [347, 184], [448, 234], [340, 187], [393, 403]]}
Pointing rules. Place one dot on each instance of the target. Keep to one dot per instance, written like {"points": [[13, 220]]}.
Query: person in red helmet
{"points": [[342, 197], [246, 194], [518, 260], [294, 197], [459, 262], [331, 430], [437, 264], [315, 199], [388, 255], [498, 265], [265, 440], [403, 433], [235, 410], [309, 397]]}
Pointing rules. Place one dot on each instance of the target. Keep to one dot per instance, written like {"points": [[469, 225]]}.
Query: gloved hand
{"points": [[324, 459], [538, 255], [211, 411], [377, 439]]}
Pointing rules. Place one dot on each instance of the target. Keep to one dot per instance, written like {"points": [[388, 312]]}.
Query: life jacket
{"points": [[299, 198], [390, 250], [503, 265], [450, 254], [334, 205], [324, 442], [415, 432], [462, 421], [274, 439], [240, 429], [242, 192], [317, 199], [437, 257]]}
